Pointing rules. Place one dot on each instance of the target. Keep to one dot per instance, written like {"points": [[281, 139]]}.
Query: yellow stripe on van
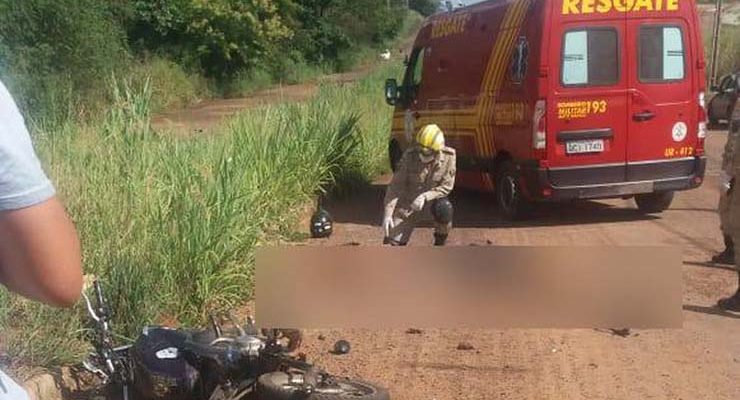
{"points": [[493, 78], [504, 53], [485, 97], [489, 85]]}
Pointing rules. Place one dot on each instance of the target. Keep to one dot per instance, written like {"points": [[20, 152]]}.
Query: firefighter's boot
{"points": [[440, 239]]}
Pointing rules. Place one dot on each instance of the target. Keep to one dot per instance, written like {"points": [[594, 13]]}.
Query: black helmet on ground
{"points": [[322, 224], [341, 347]]}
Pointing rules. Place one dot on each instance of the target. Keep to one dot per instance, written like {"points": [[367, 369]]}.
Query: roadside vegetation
{"points": [[57, 55], [170, 224], [728, 55]]}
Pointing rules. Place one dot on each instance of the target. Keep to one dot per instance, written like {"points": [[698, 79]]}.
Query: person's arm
{"points": [[39, 249], [40, 254]]}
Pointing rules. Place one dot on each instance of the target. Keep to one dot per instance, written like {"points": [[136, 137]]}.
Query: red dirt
{"points": [[207, 114], [700, 361]]}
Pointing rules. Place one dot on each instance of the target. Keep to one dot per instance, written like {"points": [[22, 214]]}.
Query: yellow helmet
{"points": [[431, 137]]}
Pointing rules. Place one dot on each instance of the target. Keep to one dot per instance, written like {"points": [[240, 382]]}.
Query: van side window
{"points": [[419, 68], [661, 53], [590, 57], [414, 70]]}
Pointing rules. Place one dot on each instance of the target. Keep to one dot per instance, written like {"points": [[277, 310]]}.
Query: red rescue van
{"points": [[561, 99]]}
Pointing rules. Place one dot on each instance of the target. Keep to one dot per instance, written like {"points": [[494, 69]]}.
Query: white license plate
{"points": [[584, 146]]}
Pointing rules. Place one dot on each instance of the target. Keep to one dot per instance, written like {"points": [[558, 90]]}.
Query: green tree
{"points": [[424, 7], [218, 36], [331, 31], [50, 48]]}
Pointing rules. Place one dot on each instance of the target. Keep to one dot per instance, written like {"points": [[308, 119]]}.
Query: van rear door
{"points": [[662, 135], [587, 128]]}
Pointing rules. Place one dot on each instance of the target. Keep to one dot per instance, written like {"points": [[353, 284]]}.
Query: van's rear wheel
{"points": [[509, 195], [650, 203]]}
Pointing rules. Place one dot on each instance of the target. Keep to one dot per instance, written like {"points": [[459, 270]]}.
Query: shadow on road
{"points": [[706, 210], [710, 311], [477, 210], [719, 126]]}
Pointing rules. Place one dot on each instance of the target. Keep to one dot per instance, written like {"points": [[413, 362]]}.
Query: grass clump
{"points": [[171, 86]]}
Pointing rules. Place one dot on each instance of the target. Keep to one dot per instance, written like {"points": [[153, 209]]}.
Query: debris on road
{"points": [[465, 346], [414, 331], [623, 332]]}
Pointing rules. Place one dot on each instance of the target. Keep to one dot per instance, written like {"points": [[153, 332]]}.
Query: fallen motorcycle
{"points": [[213, 364]]}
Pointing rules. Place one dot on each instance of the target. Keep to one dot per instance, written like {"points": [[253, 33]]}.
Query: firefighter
{"points": [[732, 303], [727, 256], [424, 178]]}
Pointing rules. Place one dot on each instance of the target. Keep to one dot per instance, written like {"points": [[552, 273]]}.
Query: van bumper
{"points": [[599, 182]]}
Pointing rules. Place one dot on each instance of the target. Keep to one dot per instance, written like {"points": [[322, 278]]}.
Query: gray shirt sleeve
{"points": [[23, 182]]}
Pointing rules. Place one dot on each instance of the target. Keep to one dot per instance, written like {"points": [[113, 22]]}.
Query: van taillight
{"points": [[539, 129], [701, 131]]}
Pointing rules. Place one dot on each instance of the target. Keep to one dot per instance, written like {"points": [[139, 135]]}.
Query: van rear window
{"points": [[661, 53], [590, 57]]}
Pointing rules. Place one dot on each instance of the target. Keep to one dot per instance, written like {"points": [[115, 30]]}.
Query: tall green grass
{"points": [[728, 54], [170, 224]]}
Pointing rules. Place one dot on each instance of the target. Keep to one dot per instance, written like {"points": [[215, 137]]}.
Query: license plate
{"points": [[584, 146]]}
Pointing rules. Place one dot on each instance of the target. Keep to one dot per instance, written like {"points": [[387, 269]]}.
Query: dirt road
{"points": [[700, 361], [209, 113]]}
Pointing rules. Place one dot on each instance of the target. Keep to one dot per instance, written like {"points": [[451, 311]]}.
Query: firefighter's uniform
{"points": [[419, 174], [732, 222], [724, 200]]}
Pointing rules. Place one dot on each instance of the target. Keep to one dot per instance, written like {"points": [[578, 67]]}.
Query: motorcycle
{"points": [[213, 364]]}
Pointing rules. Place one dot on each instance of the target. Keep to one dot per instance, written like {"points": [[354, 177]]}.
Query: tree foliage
{"points": [[424, 7], [224, 36], [220, 36], [43, 42], [46, 45]]}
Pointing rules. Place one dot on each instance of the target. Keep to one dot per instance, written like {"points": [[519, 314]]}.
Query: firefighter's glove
{"points": [[419, 202]]}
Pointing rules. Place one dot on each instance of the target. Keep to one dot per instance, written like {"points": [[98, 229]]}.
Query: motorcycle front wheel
{"points": [[285, 386]]}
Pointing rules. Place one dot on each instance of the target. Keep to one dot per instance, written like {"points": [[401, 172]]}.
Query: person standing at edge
{"points": [[727, 256], [732, 303], [39, 248], [421, 184]]}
